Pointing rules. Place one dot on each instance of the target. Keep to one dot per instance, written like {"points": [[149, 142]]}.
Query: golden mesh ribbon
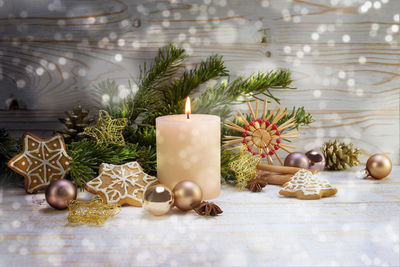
{"points": [[94, 211], [107, 130], [245, 167]]}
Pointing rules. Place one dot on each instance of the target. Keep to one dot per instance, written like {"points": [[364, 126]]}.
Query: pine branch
{"points": [[9, 147], [227, 175], [87, 157], [164, 66], [218, 99], [151, 77]]}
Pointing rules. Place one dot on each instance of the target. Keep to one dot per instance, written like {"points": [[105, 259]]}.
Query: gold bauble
{"points": [[379, 166], [187, 195], [158, 199]]}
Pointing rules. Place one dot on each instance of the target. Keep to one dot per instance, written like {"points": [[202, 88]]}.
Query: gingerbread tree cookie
{"points": [[305, 185], [121, 184], [41, 161]]}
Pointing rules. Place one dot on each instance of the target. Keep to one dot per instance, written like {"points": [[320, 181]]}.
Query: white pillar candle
{"points": [[189, 149]]}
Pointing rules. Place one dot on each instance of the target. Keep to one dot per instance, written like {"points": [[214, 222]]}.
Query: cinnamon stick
{"points": [[280, 169]]}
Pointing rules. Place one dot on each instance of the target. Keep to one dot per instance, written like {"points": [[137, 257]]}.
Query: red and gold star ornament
{"points": [[262, 135], [41, 161]]}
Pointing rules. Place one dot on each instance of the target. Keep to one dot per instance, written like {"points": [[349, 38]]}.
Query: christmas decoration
{"points": [[339, 155], [378, 166], [305, 185], [317, 160], [59, 193], [160, 89], [75, 124], [87, 156], [245, 167], [158, 199], [262, 136], [256, 185], [187, 195], [207, 209], [121, 184], [274, 178], [297, 159], [107, 130], [280, 169], [94, 211], [41, 161]]}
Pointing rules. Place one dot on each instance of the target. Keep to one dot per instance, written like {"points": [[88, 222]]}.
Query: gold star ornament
{"points": [[121, 184], [107, 130], [41, 161]]}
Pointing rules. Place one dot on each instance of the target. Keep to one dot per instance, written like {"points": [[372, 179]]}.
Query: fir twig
{"points": [[218, 99], [9, 147], [87, 157]]}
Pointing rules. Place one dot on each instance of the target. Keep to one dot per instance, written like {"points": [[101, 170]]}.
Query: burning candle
{"points": [[188, 148]]}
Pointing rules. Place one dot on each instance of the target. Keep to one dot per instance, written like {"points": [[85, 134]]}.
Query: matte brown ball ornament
{"points": [[379, 166], [59, 193], [317, 160], [297, 159], [158, 199], [187, 195]]}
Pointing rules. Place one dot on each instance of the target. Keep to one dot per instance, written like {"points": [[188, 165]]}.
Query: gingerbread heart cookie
{"points": [[41, 161], [305, 185], [121, 184]]}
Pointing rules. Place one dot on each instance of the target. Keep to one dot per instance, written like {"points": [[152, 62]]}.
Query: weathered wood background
{"points": [[344, 55]]}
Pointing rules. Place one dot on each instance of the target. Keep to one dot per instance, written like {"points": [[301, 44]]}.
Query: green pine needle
{"points": [[87, 157]]}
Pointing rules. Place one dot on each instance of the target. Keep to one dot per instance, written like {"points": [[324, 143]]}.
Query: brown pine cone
{"points": [[256, 185], [207, 209]]}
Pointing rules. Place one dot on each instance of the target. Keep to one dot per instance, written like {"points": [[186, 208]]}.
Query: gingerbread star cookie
{"points": [[41, 161], [305, 185], [121, 184]]}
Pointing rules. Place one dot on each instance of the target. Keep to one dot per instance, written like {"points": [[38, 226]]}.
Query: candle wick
{"points": [[187, 116]]}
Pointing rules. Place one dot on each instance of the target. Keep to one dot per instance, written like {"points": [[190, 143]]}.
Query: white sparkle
{"points": [[315, 36], [118, 57], [346, 38]]}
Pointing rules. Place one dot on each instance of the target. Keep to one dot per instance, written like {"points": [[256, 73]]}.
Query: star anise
{"points": [[207, 209], [256, 185]]}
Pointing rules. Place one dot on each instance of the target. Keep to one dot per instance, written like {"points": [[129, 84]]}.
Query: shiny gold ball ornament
{"points": [[60, 192], [158, 199], [379, 166], [297, 159], [187, 195]]}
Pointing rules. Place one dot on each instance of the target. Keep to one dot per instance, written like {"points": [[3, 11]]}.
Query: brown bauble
{"points": [[187, 194], [59, 193], [158, 199], [297, 159], [379, 166], [316, 160]]}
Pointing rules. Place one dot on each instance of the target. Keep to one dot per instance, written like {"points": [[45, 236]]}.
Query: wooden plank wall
{"points": [[344, 55]]}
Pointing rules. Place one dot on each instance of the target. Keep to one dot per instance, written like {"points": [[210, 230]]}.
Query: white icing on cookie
{"points": [[32, 157], [308, 183], [127, 181]]}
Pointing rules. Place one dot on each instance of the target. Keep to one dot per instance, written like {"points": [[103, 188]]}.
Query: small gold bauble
{"points": [[187, 194], [158, 199], [379, 166]]}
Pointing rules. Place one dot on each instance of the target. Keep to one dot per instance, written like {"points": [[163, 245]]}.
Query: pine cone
{"points": [[256, 185], [207, 209], [340, 155], [75, 123]]}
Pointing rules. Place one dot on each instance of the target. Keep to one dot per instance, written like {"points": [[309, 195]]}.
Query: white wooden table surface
{"points": [[360, 226]]}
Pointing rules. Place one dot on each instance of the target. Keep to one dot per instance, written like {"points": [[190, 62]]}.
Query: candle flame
{"points": [[187, 107]]}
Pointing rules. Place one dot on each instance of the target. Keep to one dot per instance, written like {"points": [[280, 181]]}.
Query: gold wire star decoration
{"points": [[245, 167], [107, 130], [262, 136]]}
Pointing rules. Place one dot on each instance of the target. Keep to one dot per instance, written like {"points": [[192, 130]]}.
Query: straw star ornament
{"points": [[107, 130], [262, 136]]}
